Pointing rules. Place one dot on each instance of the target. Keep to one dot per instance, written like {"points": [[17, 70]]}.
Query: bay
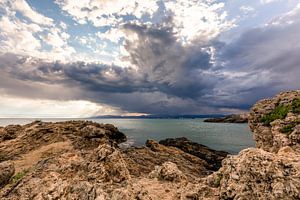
{"points": [[219, 136]]}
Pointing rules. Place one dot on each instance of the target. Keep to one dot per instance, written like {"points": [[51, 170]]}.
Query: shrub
{"points": [[288, 128], [19, 176], [279, 112], [295, 106], [218, 179]]}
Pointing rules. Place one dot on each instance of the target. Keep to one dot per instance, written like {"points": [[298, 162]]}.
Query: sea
{"points": [[228, 137]]}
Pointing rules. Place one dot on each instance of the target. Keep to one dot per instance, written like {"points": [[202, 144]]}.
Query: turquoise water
{"points": [[219, 136]]}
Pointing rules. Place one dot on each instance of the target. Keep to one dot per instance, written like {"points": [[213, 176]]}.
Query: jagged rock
{"points": [[237, 118], [81, 160], [141, 161], [257, 174], [275, 123], [82, 134], [9, 132], [212, 157], [7, 170], [168, 171]]}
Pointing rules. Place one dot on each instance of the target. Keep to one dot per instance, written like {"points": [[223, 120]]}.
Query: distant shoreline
{"points": [[157, 117]]}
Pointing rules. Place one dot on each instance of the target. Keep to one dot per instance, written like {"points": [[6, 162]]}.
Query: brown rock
{"points": [[168, 171], [282, 130], [7, 170], [9, 132], [141, 161], [257, 174], [212, 157]]}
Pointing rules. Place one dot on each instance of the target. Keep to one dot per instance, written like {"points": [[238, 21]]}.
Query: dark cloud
{"points": [[265, 61], [166, 76]]}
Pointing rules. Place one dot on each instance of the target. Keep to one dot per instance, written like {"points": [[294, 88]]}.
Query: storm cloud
{"points": [[165, 74]]}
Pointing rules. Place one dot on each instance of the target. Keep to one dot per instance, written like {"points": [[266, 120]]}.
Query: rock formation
{"points": [[236, 118], [275, 122], [272, 170], [212, 157], [82, 160]]}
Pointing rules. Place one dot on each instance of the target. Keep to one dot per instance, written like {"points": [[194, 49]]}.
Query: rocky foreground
{"points": [[82, 160]]}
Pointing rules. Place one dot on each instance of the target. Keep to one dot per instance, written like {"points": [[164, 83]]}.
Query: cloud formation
{"points": [[170, 58]]}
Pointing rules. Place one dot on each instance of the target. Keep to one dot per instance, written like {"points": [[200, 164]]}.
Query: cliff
{"points": [[82, 160]]}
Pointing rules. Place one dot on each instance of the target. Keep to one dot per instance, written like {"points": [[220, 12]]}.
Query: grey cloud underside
{"points": [[167, 77]]}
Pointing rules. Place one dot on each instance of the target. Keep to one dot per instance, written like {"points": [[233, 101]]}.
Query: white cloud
{"points": [[12, 106], [113, 35], [26, 37], [267, 1], [247, 9], [201, 20], [23, 7], [18, 37], [106, 12], [63, 25], [287, 18]]}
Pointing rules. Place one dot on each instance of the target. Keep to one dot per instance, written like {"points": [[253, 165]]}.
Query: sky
{"points": [[63, 58]]}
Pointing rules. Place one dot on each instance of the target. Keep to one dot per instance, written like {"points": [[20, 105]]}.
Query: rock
{"points": [[257, 174], [9, 132], [82, 135], [237, 118], [90, 132], [7, 170], [168, 171], [272, 170], [141, 161], [212, 157], [275, 122]]}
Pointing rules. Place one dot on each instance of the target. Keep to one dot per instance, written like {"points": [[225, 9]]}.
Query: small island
{"points": [[234, 118]]}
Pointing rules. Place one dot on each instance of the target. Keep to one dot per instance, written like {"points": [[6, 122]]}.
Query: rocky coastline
{"points": [[82, 160], [235, 118]]}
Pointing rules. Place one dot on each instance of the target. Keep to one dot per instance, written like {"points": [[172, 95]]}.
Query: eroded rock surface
{"points": [[82, 160], [271, 171], [212, 157], [257, 174], [275, 122], [7, 170]]}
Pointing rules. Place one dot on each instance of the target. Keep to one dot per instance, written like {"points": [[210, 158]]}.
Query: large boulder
{"points": [[257, 174], [9, 132], [212, 157], [275, 122]]}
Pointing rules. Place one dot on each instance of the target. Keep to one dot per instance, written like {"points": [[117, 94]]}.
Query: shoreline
{"points": [[82, 160]]}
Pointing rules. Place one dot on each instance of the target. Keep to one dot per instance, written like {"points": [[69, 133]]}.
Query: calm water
{"points": [[219, 136]]}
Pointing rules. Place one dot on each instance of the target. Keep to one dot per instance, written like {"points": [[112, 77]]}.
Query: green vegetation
{"points": [[288, 128], [217, 181], [295, 106], [19, 176], [280, 112]]}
